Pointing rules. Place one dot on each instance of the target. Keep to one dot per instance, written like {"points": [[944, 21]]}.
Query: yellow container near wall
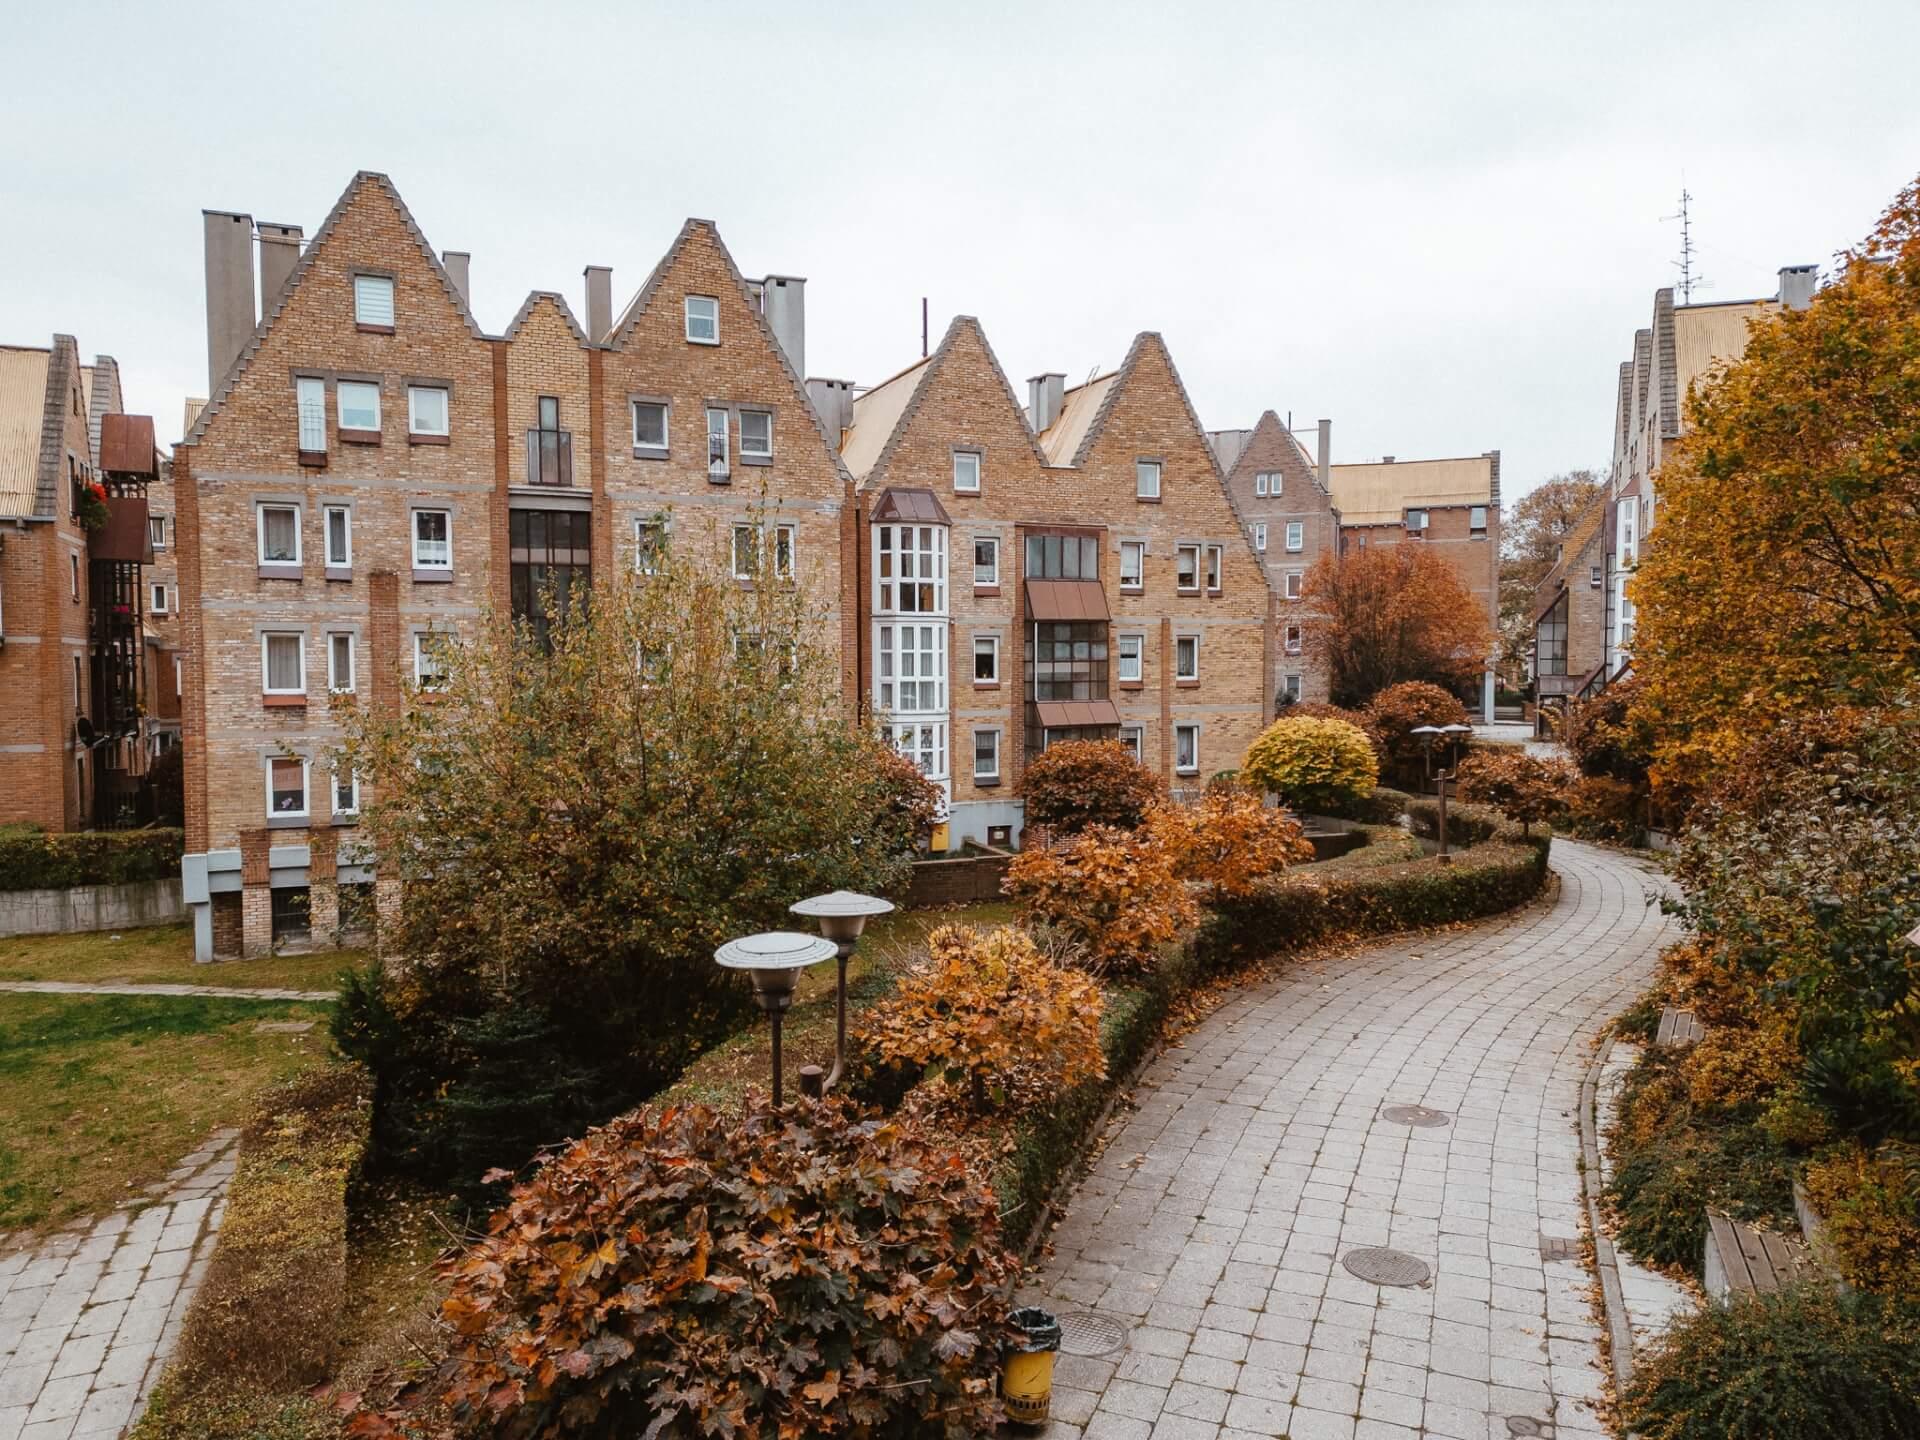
{"points": [[1026, 1380], [938, 845]]}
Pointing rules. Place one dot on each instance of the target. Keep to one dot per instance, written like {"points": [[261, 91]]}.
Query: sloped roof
{"points": [[916, 504], [1706, 336], [23, 403], [1579, 535], [1379, 493], [1061, 442], [876, 415]]}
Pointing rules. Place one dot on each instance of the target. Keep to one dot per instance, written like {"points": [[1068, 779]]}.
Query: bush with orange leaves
{"points": [[1115, 895], [1229, 841], [998, 1021]]}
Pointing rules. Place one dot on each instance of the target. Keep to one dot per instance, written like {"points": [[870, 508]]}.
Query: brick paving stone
{"points": [[1213, 1223]]}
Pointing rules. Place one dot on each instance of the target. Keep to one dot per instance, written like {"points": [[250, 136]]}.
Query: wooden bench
{"points": [[1741, 1260], [1678, 1027]]}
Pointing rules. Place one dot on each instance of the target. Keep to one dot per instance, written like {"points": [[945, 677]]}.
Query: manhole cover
{"points": [[1527, 1425], [1415, 1115], [1557, 1247], [1094, 1336], [1387, 1267]]}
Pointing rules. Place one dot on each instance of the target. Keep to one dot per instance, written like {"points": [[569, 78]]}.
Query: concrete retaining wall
{"points": [[91, 907]]}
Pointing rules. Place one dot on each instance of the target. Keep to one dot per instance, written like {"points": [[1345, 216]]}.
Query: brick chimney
{"points": [[230, 312], [783, 299], [599, 302], [279, 253], [458, 264], [1046, 393]]}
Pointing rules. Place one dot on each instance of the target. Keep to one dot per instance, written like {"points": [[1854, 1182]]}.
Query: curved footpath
{"points": [[1216, 1224]]}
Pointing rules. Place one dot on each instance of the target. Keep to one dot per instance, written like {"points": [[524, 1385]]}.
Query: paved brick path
{"points": [[88, 1317], [1214, 1224], [230, 992]]}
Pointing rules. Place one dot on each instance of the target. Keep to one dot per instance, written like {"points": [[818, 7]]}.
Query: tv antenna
{"points": [[1689, 282]]}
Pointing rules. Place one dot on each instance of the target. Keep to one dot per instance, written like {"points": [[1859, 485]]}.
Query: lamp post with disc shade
{"points": [[774, 960], [842, 914]]}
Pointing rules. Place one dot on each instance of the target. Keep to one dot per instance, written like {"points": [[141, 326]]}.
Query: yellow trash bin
{"points": [[1026, 1382]]}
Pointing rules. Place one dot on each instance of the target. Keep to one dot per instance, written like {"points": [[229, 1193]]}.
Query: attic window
{"points": [[373, 301], [703, 320]]}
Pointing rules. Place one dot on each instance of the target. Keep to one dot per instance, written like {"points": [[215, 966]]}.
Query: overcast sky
{"points": [[1438, 225]]}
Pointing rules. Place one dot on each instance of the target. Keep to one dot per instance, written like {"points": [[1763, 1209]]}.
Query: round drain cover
{"points": [[1527, 1425], [1082, 1332], [1415, 1115], [1387, 1267]]}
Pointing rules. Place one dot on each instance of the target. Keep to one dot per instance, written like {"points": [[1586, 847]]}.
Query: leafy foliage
{"points": [[993, 1017], [1228, 841], [1115, 894], [1609, 735], [683, 1273], [32, 859], [1079, 783], [1603, 809], [1522, 787], [1396, 712], [1530, 536], [1392, 613], [1869, 1205], [1313, 764]]}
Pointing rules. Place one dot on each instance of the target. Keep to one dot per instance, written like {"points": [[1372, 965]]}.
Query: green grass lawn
{"points": [[161, 954], [105, 1093]]}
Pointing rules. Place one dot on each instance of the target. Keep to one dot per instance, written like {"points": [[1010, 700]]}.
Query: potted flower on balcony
{"points": [[93, 507]]}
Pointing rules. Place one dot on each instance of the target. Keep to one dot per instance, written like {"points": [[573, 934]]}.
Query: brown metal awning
{"points": [[906, 506], [126, 445], [1069, 714], [1066, 600]]}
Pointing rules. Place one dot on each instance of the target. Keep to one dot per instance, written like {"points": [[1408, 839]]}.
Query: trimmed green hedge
{"points": [[1384, 806], [32, 859]]}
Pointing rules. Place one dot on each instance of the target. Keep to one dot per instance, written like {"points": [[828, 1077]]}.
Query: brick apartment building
{"points": [[1452, 504], [1283, 496], [1569, 610], [373, 469], [1685, 343], [1072, 569], [74, 725]]}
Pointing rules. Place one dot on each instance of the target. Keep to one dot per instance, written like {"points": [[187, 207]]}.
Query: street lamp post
{"points": [[842, 914], [1433, 735], [775, 960]]}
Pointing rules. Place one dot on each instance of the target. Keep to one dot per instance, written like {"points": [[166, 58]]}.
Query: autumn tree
{"points": [[1530, 536], [1784, 571], [1390, 613], [1077, 783]]}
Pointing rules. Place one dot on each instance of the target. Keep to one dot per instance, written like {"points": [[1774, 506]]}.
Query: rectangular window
{"points": [[1293, 640], [1146, 479], [1063, 557], [649, 425], [1133, 738], [1186, 657], [1594, 579], [336, 527], [1416, 521], [283, 663], [1260, 537], [1550, 640], [1186, 749], [719, 457], [1477, 519], [1216, 564], [910, 668], [426, 410], [756, 434], [1296, 536], [373, 300], [76, 682], [549, 563], [986, 755], [549, 448], [966, 472], [986, 659], [986, 561], [359, 405], [279, 533], [346, 791], [783, 542], [649, 545], [1067, 660], [310, 397], [433, 540], [910, 569], [157, 531], [1186, 568], [430, 660], [1133, 564], [746, 551], [924, 744], [1260, 486], [1132, 652], [1294, 581], [287, 788], [158, 599], [1293, 687], [1267, 484], [340, 663], [703, 320]]}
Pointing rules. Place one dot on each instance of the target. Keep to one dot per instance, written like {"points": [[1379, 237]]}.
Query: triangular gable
{"points": [[532, 303], [348, 198], [1268, 427]]}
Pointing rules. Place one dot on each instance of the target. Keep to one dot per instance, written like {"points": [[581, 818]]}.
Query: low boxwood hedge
{"points": [[32, 859]]}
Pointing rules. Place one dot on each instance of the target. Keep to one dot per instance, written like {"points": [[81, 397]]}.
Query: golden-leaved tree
{"points": [[1784, 573]]}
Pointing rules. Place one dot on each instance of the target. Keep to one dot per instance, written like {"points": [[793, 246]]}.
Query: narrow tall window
{"points": [[373, 301], [549, 448], [986, 562], [1294, 581], [1133, 564], [279, 534], [986, 659], [287, 788], [432, 540], [1186, 749], [649, 545], [1132, 653], [340, 663], [783, 543], [310, 397], [157, 600], [986, 755], [1132, 739], [337, 527], [1186, 568], [1216, 560], [1296, 536], [1477, 519], [703, 320], [746, 551], [1146, 479], [283, 663], [1293, 639], [719, 466], [1260, 537], [157, 531], [1260, 486], [1186, 657], [966, 472], [346, 791], [73, 565], [430, 660], [1293, 688]]}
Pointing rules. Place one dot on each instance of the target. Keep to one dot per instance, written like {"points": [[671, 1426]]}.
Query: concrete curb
{"points": [[1619, 1330]]}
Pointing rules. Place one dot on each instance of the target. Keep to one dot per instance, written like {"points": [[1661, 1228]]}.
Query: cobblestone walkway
{"points": [[88, 1317], [1215, 1225], [229, 992]]}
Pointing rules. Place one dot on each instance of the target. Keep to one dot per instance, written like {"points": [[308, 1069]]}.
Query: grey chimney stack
{"points": [[599, 302], [833, 402], [279, 253], [458, 265], [230, 313], [1326, 456], [1796, 285], [783, 298], [1046, 393]]}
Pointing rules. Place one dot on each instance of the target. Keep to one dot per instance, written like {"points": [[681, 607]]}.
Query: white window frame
{"points": [[1147, 475], [966, 472], [1139, 657], [420, 648], [646, 558], [380, 290], [895, 574], [157, 531], [978, 733], [306, 788], [734, 563], [334, 638], [267, 637], [786, 545], [925, 639], [992, 643], [992, 577], [748, 452], [1213, 569], [1295, 581], [1193, 768], [310, 413], [1293, 640], [1260, 485], [414, 427], [1292, 687], [1596, 578], [1192, 641], [157, 598], [1180, 554], [1296, 536], [414, 527], [353, 786], [1260, 536], [1425, 516], [345, 560], [1479, 527], [73, 567], [709, 320], [260, 531], [722, 463], [666, 422], [1139, 580], [1272, 487], [1134, 738], [340, 389]]}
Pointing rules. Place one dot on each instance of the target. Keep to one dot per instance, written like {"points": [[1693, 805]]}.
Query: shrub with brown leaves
{"points": [[1229, 841], [994, 1017], [1396, 712], [1520, 786], [1077, 783], [1114, 893]]}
